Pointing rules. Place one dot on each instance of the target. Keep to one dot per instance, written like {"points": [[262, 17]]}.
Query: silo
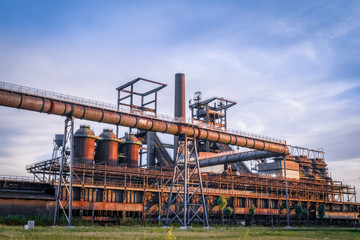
{"points": [[132, 150], [107, 148], [84, 145]]}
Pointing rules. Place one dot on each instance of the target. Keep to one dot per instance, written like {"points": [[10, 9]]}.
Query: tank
{"points": [[59, 138], [132, 150], [84, 145], [107, 148]]}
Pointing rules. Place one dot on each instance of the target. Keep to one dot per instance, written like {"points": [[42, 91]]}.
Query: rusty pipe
{"points": [[54, 106]]}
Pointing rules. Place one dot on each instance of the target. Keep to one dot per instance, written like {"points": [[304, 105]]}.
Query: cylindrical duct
{"points": [[236, 157], [54, 106]]}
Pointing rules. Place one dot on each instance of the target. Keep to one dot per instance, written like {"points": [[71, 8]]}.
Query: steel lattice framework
{"points": [[186, 185], [68, 143]]}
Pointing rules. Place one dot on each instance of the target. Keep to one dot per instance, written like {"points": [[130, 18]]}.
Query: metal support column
{"points": [[68, 145], [287, 198], [187, 201]]}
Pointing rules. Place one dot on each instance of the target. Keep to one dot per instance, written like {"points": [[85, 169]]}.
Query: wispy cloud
{"points": [[285, 66]]}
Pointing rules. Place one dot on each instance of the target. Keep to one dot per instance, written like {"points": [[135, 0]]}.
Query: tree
{"points": [[321, 212], [229, 211], [298, 212], [252, 212], [222, 204]]}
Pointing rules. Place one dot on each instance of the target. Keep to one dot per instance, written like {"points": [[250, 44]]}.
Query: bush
{"points": [[298, 210], [43, 220], [305, 212], [128, 221], [23, 220], [62, 220], [321, 211], [229, 211], [252, 210], [222, 202], [15, 220]]}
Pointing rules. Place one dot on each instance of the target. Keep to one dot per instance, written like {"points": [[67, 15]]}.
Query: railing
{"points": [[311, 153], [43, 163], [108, 106], [18, 178]]}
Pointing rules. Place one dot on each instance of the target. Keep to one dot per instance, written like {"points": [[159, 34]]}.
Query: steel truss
{"points": [[65, 200], [186, 185]]}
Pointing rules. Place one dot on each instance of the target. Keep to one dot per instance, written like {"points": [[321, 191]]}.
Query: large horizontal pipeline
{"points": [[236, 157], [36, 103]]}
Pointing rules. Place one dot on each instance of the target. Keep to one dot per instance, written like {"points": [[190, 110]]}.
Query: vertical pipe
{"points": [[179, 105], [150, 153], [118, 108], [159, 217], [155, 103], [186, 172], [272, 219], [72, 157], [286, 194], [131, 102]]}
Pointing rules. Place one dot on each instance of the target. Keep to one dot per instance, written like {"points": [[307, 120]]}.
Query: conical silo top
{"points": [[84, 131], [131, 139], [108, 135]]}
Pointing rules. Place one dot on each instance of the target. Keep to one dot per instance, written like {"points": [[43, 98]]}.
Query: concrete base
{"points": [[185, 227]]}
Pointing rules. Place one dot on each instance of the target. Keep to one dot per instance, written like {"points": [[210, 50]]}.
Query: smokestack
{"points": [[180, 96], [179, 103]]}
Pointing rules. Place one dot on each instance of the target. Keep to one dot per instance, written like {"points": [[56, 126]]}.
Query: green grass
{"points": [[141, 232]]}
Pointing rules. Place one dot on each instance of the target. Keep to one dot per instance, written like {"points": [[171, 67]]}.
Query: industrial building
{"points": [[106, 177]]}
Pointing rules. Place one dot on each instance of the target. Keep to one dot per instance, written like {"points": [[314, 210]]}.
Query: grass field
{"points": [[140, 232]]}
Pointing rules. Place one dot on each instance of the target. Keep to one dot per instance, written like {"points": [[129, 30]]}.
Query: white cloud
{"points": [[285, 91], [286, 28]]}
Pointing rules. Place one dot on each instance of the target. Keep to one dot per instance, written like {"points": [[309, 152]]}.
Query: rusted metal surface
{"points": [[82, 111], [241, 192], [258, 211], [132, 149], [84, 145], [107, 148], [107, 206], [26, 207], [340, 215]]}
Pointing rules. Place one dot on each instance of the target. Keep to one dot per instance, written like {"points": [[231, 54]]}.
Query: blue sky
{"points": [[292, 66]]}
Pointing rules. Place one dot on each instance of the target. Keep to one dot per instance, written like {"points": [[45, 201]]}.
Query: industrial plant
{"points": [[111, 176]]}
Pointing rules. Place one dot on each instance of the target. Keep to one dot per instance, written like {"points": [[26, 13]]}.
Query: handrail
{"points": [[18, 178]]}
